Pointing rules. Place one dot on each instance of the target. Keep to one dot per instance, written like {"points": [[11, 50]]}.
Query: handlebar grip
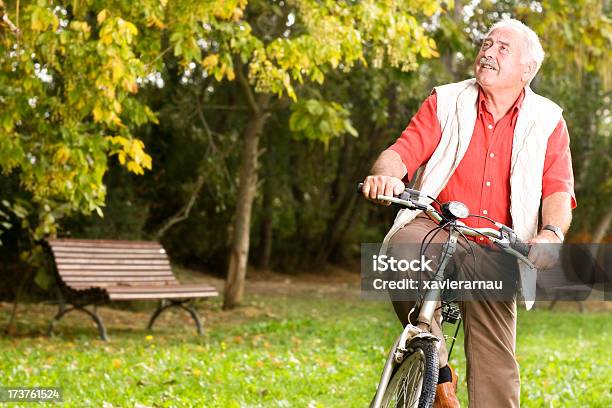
{"points": [[403, 195], [521, 247]]}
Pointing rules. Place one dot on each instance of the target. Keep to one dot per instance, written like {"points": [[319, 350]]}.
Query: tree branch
{"points": [[158, 56], [6, 21], [211, 142], [183, 213], [246, 87], [225, 107]]}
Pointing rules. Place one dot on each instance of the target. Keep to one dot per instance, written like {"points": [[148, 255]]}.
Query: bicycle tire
{"points": [[418, 373]]}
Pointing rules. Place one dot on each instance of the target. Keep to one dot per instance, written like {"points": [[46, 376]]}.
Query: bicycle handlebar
{"points": [[505, 237], [521, 247]]}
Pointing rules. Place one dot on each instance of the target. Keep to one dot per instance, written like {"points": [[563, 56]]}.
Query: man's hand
{"points": [[373, 186], [543, 253]]}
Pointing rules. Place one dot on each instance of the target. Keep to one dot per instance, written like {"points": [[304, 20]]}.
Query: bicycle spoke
{"points": [[408, 382], [413, 378]]}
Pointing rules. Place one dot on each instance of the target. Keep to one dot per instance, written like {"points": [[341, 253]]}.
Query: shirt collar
{"points": [[515, 109]]}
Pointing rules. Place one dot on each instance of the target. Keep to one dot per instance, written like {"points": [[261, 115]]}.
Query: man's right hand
{"points": [[373, 186]]}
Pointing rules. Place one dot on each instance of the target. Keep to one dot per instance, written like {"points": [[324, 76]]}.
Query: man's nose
{"points": [[490, 52]]}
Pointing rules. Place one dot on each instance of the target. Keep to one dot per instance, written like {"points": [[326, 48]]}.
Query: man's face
{"points": [[499, 63]]}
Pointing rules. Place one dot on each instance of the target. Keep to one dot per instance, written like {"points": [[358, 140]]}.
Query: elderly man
{"points": [[494, 144]]}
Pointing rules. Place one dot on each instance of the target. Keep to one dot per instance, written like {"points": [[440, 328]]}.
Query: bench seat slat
{"points": [[161, 292], [161, 289], [94, 243], [157, 296], [114, 272], [109, 261], [80, 255], [127, 282], [95, 250], [123, 279], [96, 267], [105, 285]]}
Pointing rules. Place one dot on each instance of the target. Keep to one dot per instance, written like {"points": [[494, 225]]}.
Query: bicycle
{"points": [[410, 374]]}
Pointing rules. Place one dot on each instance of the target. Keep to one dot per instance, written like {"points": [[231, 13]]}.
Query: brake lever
{"points": [[411, 205], [404, 203]]}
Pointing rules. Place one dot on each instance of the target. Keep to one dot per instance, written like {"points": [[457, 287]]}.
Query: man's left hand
{"points": [[543, 255]]}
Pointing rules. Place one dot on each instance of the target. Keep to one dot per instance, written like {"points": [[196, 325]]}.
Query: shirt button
{"points": [[488, 183], [492, 155], [485, 212], [481, 238], [490, 126]]}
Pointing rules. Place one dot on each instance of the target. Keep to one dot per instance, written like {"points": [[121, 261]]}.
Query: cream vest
{"points": [[456, 111]]}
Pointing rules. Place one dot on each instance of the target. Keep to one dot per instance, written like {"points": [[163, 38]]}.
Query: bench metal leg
{"points": [[558, 297], [160, 308], [194, 315], [185, 305], [554, 302], [63, 310]]}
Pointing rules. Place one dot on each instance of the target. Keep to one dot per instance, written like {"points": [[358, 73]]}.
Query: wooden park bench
{"points": [[576, 278], [93, 272]]}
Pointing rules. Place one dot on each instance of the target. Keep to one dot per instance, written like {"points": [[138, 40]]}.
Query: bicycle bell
{"points": [[453, 210]]}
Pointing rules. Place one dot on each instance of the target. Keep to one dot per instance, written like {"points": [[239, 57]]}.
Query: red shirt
{"points": [[482, 179]]}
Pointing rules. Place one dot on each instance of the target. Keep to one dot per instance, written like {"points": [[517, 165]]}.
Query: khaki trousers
{"points": [[489, 326]]}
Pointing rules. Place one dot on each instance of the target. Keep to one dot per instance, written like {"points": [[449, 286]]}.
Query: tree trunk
{"points": [[239, 253], [602, 228], [266, 225], [11, 326]]}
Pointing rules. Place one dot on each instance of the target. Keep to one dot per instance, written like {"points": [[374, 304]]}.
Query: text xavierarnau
{"points": [[382, 284]]}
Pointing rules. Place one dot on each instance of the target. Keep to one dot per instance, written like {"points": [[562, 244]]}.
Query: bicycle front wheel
{"points": [[413, 384]]}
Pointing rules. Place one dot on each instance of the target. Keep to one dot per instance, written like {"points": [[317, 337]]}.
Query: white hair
{"points": [[535, 52]]}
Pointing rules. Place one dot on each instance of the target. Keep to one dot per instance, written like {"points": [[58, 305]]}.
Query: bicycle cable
{"points": [[435, 200], [422, 252], [450, 351], [481, 216], [471, 249]]}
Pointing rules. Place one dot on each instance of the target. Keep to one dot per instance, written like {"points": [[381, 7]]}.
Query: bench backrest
{"points": [[89, 263]]}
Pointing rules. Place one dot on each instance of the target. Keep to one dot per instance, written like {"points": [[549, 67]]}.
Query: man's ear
{"points": [[530, 68]]}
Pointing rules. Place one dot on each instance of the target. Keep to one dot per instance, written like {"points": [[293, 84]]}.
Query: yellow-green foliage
{"points": [[69, 79]]}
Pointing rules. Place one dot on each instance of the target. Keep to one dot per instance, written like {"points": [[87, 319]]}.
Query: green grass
{"points": [[297, 351]]}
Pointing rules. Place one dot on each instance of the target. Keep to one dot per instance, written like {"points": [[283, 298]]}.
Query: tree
{"points": [[70, 78], [329, 36], [68, 82]]}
